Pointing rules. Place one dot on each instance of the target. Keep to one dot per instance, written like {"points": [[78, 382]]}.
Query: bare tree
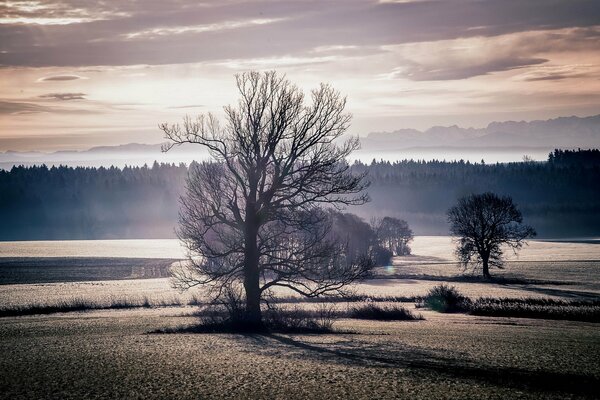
{"points": [[254, 215], [483, 224], [355, 234], [393, 234]]}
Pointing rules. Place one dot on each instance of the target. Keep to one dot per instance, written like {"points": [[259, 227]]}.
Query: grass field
{"points": [[115, 354]]}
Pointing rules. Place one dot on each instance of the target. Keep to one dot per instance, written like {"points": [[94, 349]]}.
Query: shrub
{"points": [[446, 299], [301, 320], [228, 315], [383, 313], [218, 319]]}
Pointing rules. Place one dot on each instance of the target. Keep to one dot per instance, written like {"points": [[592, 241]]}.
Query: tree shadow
{"points": [[573, 294], [420, 362], [499, 280]]}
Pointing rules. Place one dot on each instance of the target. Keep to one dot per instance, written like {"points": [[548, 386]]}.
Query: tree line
{"points": [[560, 199]]}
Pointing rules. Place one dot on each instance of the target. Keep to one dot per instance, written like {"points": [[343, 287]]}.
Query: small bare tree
{"points": [[483, 223], [254, 215]]}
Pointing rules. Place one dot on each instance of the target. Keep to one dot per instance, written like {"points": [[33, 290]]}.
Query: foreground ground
{"points": [[114, 354], [111, 354]]}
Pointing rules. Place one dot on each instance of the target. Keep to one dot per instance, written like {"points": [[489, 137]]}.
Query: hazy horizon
{"points": [[76, 146]]}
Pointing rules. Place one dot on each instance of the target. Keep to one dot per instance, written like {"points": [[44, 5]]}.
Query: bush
{"points": [[383, 313], [301, 320], [228, 316], [446, 299]]}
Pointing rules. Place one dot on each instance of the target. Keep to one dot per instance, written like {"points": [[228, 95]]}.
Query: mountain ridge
{"points": [[558, 132]]}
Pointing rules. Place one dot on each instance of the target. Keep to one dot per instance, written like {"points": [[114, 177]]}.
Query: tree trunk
{"points": [[251, 274], [486, 269]]}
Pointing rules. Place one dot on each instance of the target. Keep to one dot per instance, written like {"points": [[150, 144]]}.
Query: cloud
{"points": [[188, 106], [437, 72], [60, 78], [27, 13], [128, 33], [10, 107], [274, 62], [63, 96], [20, 107], [179, 30], [464, 58], [560, 72]]}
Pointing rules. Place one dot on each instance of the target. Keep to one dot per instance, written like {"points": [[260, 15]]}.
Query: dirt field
{"points": [[110, 354]]}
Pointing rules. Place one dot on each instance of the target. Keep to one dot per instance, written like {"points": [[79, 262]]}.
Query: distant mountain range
{"points": [[498, 142], [127, 148], [563, 132], [131, 154], [122, 149]]}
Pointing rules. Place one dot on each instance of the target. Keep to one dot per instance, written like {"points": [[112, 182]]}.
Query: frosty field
{"points": [[114, 354]]}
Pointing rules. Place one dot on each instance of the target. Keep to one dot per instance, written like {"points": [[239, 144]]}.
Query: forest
{"points": [[560, 197]]}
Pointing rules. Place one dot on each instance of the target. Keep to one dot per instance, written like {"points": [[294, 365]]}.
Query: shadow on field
{"points": [[573, 294], [427, 362], [29, 270], [499, 280]]}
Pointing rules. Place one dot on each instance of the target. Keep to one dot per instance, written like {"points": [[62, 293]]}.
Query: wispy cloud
{"points": [[15, 107], [179, 30], [50, 13], [126, 33], [469, 57], [63, 96], [560, 72], [187, 106], [18, 107], [60, 78]]}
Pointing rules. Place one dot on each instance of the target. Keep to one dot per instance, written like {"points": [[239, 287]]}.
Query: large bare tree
{"points": [[484, 224], [255, 214]]}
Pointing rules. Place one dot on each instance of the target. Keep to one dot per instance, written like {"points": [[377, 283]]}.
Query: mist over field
{"points": [[561, 199]]}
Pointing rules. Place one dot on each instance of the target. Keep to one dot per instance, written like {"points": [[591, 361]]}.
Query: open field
{"points": [[14, 270], [113, 354], [579, 280], [109, 354]]}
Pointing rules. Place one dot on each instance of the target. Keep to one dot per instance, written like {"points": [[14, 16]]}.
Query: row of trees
{"points": [[142, 202], [561, 200], [41, 203], [570, 158]]}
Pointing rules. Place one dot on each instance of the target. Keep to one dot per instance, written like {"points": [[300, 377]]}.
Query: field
{"points": [[115, 353]]}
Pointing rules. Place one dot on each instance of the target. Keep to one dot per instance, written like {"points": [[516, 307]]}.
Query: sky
{"points": [[76, 74]]}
